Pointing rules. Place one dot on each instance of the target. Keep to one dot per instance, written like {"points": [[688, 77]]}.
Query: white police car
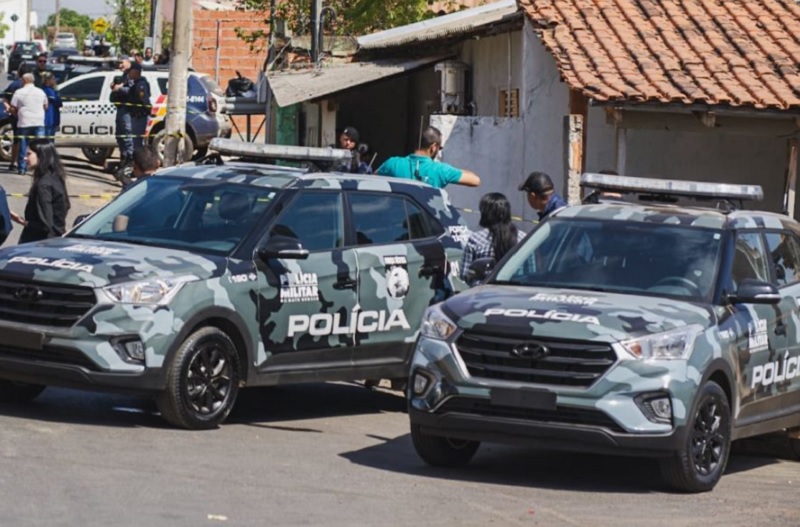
{"points": [[88, 115]]}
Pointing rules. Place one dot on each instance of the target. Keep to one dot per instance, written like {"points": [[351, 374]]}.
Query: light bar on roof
{"points": [[671, 187], [232, 147]]}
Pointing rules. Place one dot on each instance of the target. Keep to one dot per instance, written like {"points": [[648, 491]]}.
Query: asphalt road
{"points": [[333, 454]]}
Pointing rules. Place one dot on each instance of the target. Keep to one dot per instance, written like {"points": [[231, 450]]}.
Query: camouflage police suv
{"points": [[638, 329], [205, 278]]}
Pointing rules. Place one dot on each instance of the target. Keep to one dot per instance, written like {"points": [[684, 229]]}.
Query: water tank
{"points": [[452, 86]]}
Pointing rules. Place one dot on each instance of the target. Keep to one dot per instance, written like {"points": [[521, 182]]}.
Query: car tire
{"points": [[202, 381], [19, 392], [97, 155], [6, 142], [158, 142], [701, 461], [442, 451]]}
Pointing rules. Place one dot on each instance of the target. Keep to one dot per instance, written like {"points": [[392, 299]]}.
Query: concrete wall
{"points": [[496, 65], [489, 146]]}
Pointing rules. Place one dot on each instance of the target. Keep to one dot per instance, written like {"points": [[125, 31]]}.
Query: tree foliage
{"points": [[131, 26], [3, 26], [341, 17], [73, 21]]}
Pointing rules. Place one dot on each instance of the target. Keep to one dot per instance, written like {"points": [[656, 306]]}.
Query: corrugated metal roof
{"points": [[454, 24], [293, 87]]}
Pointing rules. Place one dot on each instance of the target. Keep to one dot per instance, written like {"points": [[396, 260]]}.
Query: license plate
{"points": [[22, 339], [523, 398]]}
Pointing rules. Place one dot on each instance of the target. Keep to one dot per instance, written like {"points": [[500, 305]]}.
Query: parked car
{"points": [[6, 135], [65, 40], [23, 50], [3, 59], [88, 115], [204, 278], [59, 55], [627, 328]]}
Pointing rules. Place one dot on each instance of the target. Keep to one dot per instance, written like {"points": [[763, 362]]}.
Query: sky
{"points": [[92, 8]]}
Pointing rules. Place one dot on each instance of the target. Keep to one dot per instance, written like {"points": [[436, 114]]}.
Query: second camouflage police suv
{"points": [[204, 278], [638, 329]]}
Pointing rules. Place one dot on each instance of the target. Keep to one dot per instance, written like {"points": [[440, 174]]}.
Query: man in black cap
{"points": [[348, 140], [132, 97], [541, 195]]}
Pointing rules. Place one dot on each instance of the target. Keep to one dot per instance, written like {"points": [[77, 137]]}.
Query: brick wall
{"points": [[234, 53]]}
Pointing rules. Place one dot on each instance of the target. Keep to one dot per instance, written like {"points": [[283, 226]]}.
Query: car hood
{"points": [[100, 263], [571, 313]]}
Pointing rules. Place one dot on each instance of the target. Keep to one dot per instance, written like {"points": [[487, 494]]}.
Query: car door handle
{"points": [[780, 329], [345, 283], [428, 270]]}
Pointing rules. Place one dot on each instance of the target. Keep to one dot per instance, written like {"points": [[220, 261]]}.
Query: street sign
{"points": [[100, 25], [14, 18]]}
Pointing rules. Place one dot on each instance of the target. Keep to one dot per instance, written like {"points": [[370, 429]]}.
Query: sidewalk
{"points": [[89, 189]]}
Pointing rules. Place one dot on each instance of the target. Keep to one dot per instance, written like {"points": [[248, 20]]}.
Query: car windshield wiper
{"points": [[506, 282]]}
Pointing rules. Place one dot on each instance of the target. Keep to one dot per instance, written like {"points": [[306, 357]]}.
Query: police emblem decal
{"points": [[397, 282]]}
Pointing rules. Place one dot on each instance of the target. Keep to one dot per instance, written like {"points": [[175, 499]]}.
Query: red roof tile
{"points": [[735, 53]]}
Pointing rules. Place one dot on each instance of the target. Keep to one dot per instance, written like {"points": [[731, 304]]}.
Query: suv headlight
{"points": [[436, 325], [669, 345], [157, 291]]}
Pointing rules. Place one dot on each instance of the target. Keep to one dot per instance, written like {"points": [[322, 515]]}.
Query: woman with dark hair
{"points": [[48, 203], [498, 235]]}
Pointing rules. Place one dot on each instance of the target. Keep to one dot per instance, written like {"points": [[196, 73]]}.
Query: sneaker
{"points": [[12, 167]]}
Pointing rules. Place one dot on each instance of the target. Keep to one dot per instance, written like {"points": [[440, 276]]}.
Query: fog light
{"points": [[420, 384], [656, 407], [662, 407], [130, 349]]}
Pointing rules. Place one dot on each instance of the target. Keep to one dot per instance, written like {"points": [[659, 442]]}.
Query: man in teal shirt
{"points": [[421, 165]]}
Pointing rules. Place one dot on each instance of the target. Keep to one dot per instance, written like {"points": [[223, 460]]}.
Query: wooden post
{"points": [[789, 197], [573, 132]]}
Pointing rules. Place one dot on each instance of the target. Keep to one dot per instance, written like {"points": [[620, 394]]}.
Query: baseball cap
{"points": [[537, 182], [351, 132]]}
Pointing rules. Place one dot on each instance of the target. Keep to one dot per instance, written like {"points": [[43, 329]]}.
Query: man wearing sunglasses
{"points": [[41, 68], [421, 165]]}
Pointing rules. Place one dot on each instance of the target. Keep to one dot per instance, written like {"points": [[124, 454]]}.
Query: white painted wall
{"points": [[20, 29]]}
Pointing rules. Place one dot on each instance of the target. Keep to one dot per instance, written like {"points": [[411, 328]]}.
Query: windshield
{"points": [[182, 214], [26, 47], [617, 256]]}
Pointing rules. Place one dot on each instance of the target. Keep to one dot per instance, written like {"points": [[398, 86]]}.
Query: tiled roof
{"points": [[728, 53]]}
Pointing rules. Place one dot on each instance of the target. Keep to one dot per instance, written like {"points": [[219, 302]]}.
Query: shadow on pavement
{"points": [[519, 466], [265, 407]]}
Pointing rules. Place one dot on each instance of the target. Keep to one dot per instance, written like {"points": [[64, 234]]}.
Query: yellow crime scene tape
{"points": [[108, 196], [515, 218]]}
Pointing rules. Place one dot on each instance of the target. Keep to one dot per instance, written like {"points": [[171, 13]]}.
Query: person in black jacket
{"points": [[48, 202]]}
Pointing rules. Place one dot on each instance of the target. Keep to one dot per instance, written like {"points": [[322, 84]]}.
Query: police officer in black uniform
{"points": [[132, 97]]}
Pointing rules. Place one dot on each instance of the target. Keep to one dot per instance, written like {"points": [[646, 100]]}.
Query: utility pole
{"points": [[58, 17], [155, 25], [178, 77], [316, 14]]}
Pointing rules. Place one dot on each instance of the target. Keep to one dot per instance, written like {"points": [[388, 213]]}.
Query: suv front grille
{"points": [[562, 415], [43, 303], [545, 361]]}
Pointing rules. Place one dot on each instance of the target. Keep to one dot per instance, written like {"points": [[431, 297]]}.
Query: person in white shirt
{"points": [[28, 104]]}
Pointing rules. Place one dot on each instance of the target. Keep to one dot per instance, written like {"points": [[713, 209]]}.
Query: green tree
{"points": [[73, 21], [3, 26], [132, 24], [352, 17]]}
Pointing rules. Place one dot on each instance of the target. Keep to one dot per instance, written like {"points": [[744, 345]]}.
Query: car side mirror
{"points": [[479, 269], [283, 247], [753, 291]]}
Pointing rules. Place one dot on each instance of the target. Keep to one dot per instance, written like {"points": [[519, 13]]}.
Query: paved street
{"points": [[332, 454]]}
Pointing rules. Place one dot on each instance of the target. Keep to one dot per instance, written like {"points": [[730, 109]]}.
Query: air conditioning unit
{"points": [[452, 86]]}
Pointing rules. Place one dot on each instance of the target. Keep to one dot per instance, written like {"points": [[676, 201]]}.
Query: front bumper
{"points": [[90, 354], [604, 417]]}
